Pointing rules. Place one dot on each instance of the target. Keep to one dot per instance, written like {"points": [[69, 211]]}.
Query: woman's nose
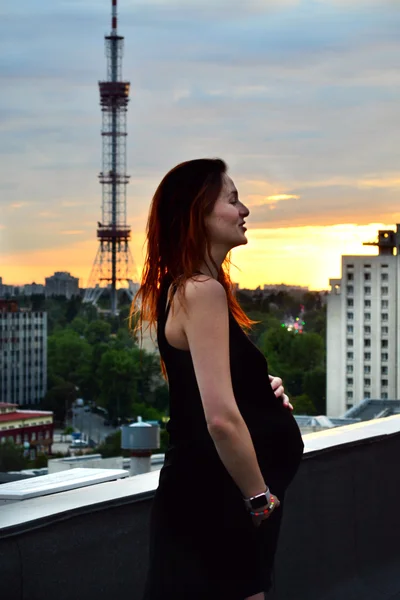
{"points": [[245, 211]]}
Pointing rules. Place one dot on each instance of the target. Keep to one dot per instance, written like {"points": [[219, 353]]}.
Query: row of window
{"points": [[367, 303], [13, 316], [384, 395], [367, 266], [33, 438], [367, 329], [367, 343], [367, 276], [367, 356], [24, 327], [367, 292], [367, 382], [367, 369]]}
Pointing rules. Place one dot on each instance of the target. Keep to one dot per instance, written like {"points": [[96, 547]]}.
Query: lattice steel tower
{"points": [[113, 263]]}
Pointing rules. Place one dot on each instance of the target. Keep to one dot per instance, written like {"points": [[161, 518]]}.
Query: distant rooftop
{"points": [[373, 409]]}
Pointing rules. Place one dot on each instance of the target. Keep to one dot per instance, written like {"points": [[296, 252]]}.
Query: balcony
{"points": [[339, 538]]}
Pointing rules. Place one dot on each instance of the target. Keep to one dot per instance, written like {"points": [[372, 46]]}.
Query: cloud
{"points": [[300, 98]]}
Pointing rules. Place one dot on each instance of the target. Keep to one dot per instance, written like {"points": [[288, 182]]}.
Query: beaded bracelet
{"points": [[265, 511]]}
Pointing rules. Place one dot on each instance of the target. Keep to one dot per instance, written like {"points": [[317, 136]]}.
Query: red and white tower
{"points": [[113, 264]]}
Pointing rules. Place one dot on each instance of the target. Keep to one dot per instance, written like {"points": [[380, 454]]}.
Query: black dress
{"points": [[201, 548]]}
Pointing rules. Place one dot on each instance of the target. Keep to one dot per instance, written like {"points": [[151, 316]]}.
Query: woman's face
{"points": [[225, 223]]}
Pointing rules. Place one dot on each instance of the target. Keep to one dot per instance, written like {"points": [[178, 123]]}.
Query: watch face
{"points": [[259, 502]]}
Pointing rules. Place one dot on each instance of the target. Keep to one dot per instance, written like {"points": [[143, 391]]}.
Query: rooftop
{"points": [[336, 541]]}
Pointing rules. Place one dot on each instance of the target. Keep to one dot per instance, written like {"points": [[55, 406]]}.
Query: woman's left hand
{"points": [[279, 390]]}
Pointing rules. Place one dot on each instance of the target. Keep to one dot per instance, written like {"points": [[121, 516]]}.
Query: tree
{"points": [[68, 355], [97, 332], [59, 399], [11, 457], [303, 405], [315, 388], [117, 376]]}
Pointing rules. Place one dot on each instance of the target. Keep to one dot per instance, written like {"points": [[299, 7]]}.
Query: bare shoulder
{"points": [[202, 290]]}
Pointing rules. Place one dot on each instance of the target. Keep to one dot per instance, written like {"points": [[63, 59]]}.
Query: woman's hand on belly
{"points": [[279, 391]]}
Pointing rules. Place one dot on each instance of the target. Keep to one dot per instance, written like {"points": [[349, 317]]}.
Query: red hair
{"points": [[177, 238]]}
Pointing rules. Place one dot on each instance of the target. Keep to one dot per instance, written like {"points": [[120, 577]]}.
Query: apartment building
{"points": [[23, 354], [62, 283], [363, 327]]}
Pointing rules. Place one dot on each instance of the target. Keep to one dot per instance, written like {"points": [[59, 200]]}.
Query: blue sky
{"points": [[301, 98]]}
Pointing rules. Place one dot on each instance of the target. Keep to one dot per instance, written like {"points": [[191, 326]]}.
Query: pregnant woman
{"points": [[234, 446]]}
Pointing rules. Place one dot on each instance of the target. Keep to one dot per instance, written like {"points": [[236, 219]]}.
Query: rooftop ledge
{"points": [[17, 517], [336, 540]]}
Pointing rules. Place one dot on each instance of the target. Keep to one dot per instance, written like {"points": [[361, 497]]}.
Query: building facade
{"points": [[6, 291], [363, 327], [34, 429], [62, 284], [23, 354]]}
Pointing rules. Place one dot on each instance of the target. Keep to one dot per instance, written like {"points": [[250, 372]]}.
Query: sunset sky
{"points": [[300, 97]]}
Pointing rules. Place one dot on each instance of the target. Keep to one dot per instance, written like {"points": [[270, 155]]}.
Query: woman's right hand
{"points": [[257, 520]]}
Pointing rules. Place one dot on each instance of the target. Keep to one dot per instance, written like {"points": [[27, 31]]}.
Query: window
{"points": [[349, 381], [349, 395], [350, 302], [350, 316], [367, 395], [367, 276], [367, 303], [384, 304], [384, 370], [367, 290], [384, 266], [384, 343], [350, 328], [384, 396], [33, 438], [384, 356], [384, 277], [350, 276], [367, 329], [367, 266], [384, 291], [367, 370], [385, 330], [350, 266], [367, 355], [367, 343], [384, 316], [384, 382], [367, 316], [349, 369], [350, 289], [350, 355], [367, 382], [350, 343]]}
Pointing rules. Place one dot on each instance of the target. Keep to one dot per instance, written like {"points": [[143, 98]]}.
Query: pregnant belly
{"points": [[277, 441]]}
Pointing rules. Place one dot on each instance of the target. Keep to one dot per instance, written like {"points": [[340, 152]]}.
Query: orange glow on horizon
{"points": [[307, 256]]}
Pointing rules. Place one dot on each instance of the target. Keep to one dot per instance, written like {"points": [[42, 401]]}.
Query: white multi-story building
{"points": [[30, 289], [363, 327], [23, 354], [62, 284]]}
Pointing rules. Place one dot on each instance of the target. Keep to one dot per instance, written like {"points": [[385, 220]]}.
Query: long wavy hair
{"points": [[177, 242]]}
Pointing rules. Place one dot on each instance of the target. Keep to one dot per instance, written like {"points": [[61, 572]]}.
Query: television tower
{"points": [[113, 263]]}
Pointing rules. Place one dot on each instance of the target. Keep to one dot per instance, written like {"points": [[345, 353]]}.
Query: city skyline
{"points": [[300, 98]]}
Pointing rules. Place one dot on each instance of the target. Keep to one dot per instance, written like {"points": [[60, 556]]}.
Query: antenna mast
{"points": [[113, 263]]}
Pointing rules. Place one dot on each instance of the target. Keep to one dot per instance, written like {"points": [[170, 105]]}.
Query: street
{"points": [[90, 425]]}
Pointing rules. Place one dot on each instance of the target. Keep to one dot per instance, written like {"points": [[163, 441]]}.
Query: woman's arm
{"points": [[206, 325]]}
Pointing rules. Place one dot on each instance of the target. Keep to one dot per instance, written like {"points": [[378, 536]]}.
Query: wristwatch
{"points": [[258, 501]]}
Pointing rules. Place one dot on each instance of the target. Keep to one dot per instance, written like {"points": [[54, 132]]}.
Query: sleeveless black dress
{"points": [[203, 544]]}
